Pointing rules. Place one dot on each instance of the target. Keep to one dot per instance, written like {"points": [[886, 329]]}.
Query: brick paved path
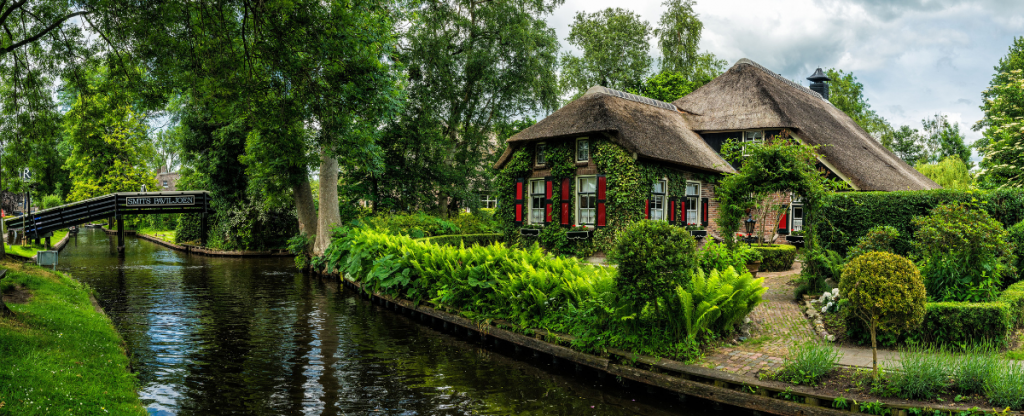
{"points": [[778, 323]]}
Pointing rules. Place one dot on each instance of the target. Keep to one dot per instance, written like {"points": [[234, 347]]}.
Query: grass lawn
{"points": [[166, 235], [59, 355], [31, 249]]}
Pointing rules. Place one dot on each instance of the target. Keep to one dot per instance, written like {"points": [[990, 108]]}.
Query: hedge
{"points": [[776, 258], [1014, 296], [951, 323], [468, 239], [842, 218]]}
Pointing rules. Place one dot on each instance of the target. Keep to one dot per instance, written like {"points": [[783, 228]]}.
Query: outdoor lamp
{"points": [[749, 224]]}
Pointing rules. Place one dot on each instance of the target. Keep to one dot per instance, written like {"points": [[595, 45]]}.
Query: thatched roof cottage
{"points": [[677, 147]]}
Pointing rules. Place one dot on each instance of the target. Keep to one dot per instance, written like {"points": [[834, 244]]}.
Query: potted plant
{"points": [[697, 231], [578, 232], [752, 257], [796, 238], [532, 230]]}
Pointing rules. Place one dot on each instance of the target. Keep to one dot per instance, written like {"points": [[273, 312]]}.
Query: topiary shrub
{"points": [[653, 258], [886, 292], [878, 238], [963, 252], [776, 258]]}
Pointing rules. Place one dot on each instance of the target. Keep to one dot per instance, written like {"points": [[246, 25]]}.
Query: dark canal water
{"points": [[213, 336]]}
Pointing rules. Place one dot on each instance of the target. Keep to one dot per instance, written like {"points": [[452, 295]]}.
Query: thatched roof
{"points": [[748, 96], [652, 129]]}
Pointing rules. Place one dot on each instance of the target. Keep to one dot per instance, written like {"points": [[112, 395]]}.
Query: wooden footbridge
{"points": [[113, 208]]}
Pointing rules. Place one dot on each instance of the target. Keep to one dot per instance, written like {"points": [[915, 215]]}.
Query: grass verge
{"points": [[164, 235], [31, 249], [58, 354]]}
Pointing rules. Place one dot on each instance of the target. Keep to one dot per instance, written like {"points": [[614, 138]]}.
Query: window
{"points": [[756, 136], [165, 184], [537, 201], [586, 200], [798, 213], [658, 200], [487, 201], [692, 203], [582, 149], [541, 157]]}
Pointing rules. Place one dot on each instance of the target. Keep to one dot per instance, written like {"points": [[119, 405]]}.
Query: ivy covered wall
{"points": [[629, 184]]}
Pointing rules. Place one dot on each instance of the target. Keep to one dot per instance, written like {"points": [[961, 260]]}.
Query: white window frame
{"points": [[530, 205], [539, 153], [578, 219], [664, 200], [744, 139], [589, 150], [487, 202], [797, 201], [696, 204]]}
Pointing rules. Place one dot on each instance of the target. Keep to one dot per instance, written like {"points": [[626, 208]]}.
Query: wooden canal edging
{"points": [[673, 376], [191, 249]]}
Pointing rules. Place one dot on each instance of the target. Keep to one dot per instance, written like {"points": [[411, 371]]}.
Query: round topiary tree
{"points": [[884, 290], [653, 257]]}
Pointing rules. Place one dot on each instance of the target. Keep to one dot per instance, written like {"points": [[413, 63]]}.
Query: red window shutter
{"points": [[784, 223], [647, 209], [548, 190], [672, 211], [565, 201], [519, 201], [704, 212], [685, 204], [602, 184]]}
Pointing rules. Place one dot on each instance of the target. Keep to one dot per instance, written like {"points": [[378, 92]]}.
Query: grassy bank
{"points": [[58, 354], [31, 249], [165, 235]]}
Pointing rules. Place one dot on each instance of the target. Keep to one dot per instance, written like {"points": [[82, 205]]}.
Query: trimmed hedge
{"points": [[842, 218], [1014, 296], [468, 239], [776, 258], [952, 323]]}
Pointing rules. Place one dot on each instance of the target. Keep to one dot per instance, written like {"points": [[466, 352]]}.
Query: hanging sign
{"points": [[151, 201]]}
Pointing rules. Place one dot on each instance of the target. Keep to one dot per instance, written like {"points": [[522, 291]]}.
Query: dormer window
{"points": [[756, 136], [541, 157], [582, 149]]}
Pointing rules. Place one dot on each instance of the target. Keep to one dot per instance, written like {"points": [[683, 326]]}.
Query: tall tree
{"points": [[616, 51], [907, 143], [472, 65], [945, 139], [1002, 143], [679, 31], [949, 173], [847, 94]]}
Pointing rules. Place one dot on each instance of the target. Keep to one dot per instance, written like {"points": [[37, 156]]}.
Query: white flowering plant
{"points": [[829, 301]]}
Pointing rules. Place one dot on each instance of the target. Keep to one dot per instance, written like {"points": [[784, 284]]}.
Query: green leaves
{"points": [[615, 50]]}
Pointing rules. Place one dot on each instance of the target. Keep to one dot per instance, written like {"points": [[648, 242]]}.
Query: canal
{"points": [[255, 336]]}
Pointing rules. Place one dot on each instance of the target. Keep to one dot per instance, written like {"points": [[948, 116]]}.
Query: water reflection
{"points": [[253, 336]]}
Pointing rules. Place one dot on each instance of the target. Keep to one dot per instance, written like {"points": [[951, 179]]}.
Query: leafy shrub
{"points": [[963, 251], [653, 258], [1015, 236], [923, 373], [718, 256], [819, 265], [51, 201], [810, 363], [776, 258], [416, 225], [885, 291], [975, 366], [464, 239], [301, 247], [480, 222], [879, 238], [1004, 386]]}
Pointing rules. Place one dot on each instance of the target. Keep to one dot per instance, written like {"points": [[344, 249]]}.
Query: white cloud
{"points": [[915, 57]]}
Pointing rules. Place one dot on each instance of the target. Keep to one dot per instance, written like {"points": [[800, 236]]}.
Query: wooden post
{"points": [[202, 223], [48, 247], [120, 233]]}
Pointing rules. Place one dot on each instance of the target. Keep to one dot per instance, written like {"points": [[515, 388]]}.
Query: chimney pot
{"points": [[818, 83]]}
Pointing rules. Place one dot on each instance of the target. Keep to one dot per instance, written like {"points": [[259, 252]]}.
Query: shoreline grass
{"points": [[58, 354], [165, 235], [31, 249]]}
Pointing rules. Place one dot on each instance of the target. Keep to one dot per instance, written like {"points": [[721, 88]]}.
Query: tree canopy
{"points": [[679, 32], [616, 51], [1002, 144], [945, 139], [907, 143], [950, 173]]}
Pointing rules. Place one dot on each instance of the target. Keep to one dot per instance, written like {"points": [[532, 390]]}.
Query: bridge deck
{"points": [[113, 205]]}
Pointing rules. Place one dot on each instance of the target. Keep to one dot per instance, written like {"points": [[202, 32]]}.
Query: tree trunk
{"points": [[874, 348], [304, 208], [329, 214], [442, 205]]}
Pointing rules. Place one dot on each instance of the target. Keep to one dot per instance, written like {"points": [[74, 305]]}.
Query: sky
{"points": [[915, 58]]}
